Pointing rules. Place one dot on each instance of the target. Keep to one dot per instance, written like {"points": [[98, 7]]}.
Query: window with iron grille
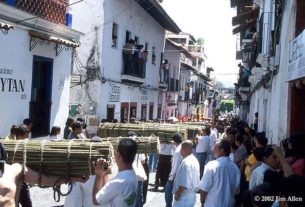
{"points": [[114, 35]]}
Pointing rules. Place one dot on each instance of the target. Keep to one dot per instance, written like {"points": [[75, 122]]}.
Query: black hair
{"points": [[262, 191], [54, 130], [258, 153], [273, 178], [80, 119], [206, 130], [85, 125], [268, 150], [246, 199], [225, 145], [69, 121], [128, 149], [297, 141], [293, 186], [261, 139], [177, 138], [76, 125], [22, 130], [14, 129], [27, 122]]}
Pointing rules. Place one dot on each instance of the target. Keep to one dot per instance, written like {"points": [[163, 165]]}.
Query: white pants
{"points": [[186, 200]]}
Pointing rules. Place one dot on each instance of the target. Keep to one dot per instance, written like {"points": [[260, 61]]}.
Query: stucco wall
{"points": [[15, 55]]}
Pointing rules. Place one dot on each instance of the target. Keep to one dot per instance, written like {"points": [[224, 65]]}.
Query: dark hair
{"points": [[128, 149], [258, 153], [69, 121], [22, 130], [177, 138], [268, 150], [84, 125], [27, 121], [246, 199], [131, 134], [14, 130], [273, 178], [297, 141], [225, 145], [261, 139], [293, 186], [261, 191], [54, 130], [76, 125], [80, 119]]}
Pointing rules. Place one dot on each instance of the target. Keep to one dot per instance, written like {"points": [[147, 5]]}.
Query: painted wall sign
{"points": [[11, 84], [296, 65], [114, 93]]}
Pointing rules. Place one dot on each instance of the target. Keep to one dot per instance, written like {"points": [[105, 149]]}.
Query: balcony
{"points": [[51, 10], [134, 67]]}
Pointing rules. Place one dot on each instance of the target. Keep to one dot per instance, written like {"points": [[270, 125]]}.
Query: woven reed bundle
{"points": [[61, 158], [146, 145], [163, 131]]}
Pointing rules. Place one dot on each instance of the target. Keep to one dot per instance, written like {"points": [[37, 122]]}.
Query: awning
{"points": [[245, 26], [153, 8], [62, 41], [245, 17]]}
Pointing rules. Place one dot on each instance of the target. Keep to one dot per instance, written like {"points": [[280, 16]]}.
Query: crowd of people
{"points": [[234, 168]]}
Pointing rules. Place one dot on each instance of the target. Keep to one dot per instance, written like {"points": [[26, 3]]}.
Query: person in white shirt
{"points": [[187, 177], [54, 134], [214, 129], [167, 149], [177, 158], [221, 178], [121, 190], [213, 139], [202, 148], [270, 162]]}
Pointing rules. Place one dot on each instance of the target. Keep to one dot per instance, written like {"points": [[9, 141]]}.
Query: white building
{"points": [[277, 84], [35, 66], [188, 74], [104, 88]]}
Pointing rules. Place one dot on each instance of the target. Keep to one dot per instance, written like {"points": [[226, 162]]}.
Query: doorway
{"points": [[143, 112], [110, 112], [41, 96]]}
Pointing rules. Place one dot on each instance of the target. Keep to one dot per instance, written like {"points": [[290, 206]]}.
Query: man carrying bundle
{"points": [[12, 176], [120, 191]]}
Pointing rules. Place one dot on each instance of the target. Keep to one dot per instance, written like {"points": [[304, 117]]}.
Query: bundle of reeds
{"points": [[61, 158], [146, 145], [163, 131]]}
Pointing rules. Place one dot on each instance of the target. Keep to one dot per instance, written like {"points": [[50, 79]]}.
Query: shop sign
{"points": [[114, 93], [296, 65], [11, 84]]}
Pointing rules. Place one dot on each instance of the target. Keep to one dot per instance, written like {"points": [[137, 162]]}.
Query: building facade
{"points": [[35, 64], [117, 82]]}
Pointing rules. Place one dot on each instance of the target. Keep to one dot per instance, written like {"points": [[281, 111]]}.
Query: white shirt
{"points": [[120, 191], [54, 138], [215, 131], [81, 194], [257, 176], [213, 138], [177, 158], [167, 149], [203, 144], [220, 180], [187, 175]]}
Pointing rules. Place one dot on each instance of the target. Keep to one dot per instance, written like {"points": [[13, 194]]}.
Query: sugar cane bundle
{"points": [[61, 158], [163, 131], [146, 145]]}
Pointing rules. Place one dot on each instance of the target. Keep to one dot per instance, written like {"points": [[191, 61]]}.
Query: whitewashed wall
{"points": [[15, 55]]}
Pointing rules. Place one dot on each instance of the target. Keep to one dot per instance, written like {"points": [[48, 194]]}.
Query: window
{"points": [[153, 55], [128, 35], [146, 46], [114, 35]]}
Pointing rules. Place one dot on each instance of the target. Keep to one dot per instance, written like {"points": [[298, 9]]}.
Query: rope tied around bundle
{"points": [[89, 160], [42, 143]]}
